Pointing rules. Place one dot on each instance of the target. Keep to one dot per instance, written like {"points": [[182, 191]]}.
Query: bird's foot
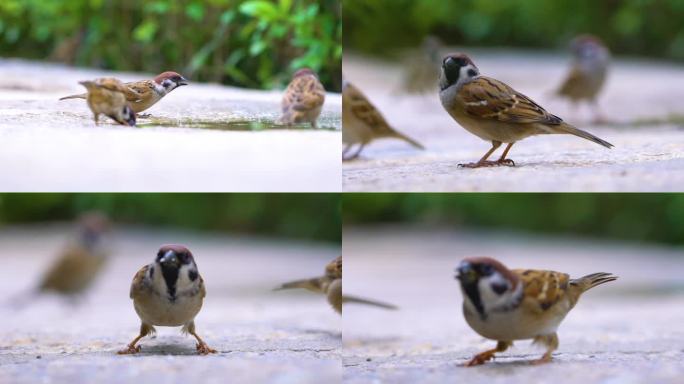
{"points": [[486, 163], [544, 359], [130, 350], [203, 349], [506, 162], [143, 115], [480, 358]]}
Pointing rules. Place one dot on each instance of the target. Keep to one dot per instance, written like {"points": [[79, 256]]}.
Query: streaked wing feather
{"points": [[491, 99]]}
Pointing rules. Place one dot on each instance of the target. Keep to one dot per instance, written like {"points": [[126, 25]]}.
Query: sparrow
{"points": [[107, 96], [495, 112], [143, 94], [421, 72], [362, 122], [82, 260], [303, 99], [507, 305], [330, 284], [588, 71], [168, 292]]}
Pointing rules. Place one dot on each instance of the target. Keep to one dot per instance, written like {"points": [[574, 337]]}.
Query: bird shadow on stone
{"points": [[168, 349], [326, 332]]}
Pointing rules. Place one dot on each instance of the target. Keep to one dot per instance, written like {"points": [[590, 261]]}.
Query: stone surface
{"points": [[627, 331], [194, 141], [262, 336], [645, 120]]}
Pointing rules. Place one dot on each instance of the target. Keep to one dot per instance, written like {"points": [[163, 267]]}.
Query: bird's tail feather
{"points": [[409, 140], [310, 284], [359, 300], [590, 281], [567, 128], [81, 96]]}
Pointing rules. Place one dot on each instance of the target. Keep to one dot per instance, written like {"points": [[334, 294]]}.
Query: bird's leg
{"points": [[143, 115], [481, 358], [202, 347], [345, 150], [598, 117], [97, 119], [145, 329], [503, 160], [551, 343], [356, 154], [483, 161]]}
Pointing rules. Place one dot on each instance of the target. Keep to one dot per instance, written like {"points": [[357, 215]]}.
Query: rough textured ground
{"points": [[261, 336], [642, 100], [628, 331], [51, 145]]}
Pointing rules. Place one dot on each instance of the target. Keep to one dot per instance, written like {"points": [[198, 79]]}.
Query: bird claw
{"points": [[204, 349], [544, 359], [479, 359], [486, 163], [130, 350]]}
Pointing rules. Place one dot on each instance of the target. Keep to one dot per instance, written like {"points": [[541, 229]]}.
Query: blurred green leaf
{"points": [[145, 31]]}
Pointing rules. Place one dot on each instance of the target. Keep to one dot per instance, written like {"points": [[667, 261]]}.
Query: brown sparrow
{"points": [[82, 260], [422, 74], [507, 305], [143, 94], [107, 96], [587, 75], [169, 293], [495, 112], [303, 99], [330, 284], [362, 122]]}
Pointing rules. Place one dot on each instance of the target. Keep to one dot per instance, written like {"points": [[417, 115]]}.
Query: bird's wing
{"points": [[138, 281], [542, 289], [575, 80], [491, 99], [365, 111], [203, 289], [308, 94], [111, 84], [136, 90], [333, 269]]}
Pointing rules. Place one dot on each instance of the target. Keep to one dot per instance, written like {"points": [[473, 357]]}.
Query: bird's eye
{"points": [[487, 269]]}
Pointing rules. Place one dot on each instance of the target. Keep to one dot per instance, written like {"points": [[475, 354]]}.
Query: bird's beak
{"points": [[183, 81], [466, 273], [169, 259]]}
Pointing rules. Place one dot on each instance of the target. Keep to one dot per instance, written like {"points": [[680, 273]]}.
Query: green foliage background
{"points": [[633, 217], [250, 43], [302, 216], [636, 27]]}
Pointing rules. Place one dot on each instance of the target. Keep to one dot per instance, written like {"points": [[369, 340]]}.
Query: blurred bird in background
{"points": [[421, 73], [330, 284], [588, 72], [82, 260], [363, 123]]}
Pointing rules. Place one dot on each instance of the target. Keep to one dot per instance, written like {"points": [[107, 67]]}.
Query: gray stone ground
{"points": [[628, 331], [51, 145], [642, 100], [262, 336]]}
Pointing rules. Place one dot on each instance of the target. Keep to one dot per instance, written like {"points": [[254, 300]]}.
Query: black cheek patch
{"points": [[151, 272], [499, 288], [192, 275], [472, 73]]}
